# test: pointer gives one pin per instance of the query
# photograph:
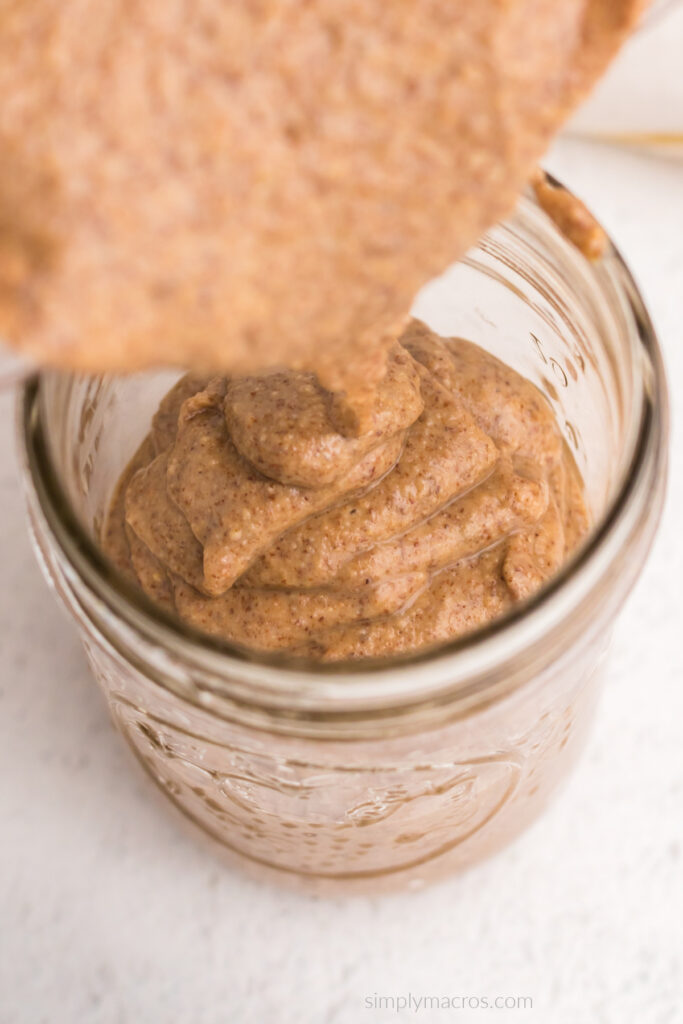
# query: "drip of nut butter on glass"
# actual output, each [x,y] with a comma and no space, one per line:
[255,191]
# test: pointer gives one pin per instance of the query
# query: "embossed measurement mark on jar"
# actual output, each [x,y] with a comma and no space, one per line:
[484,318]
[566,368]
[562,377]
[550,361]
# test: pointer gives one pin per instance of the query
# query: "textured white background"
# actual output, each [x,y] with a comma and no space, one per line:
[110,913]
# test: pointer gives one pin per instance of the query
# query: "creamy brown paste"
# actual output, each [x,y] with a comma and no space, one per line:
[250,514]
[570,215]
[239,185]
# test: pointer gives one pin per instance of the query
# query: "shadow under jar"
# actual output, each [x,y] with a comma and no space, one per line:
[398,771]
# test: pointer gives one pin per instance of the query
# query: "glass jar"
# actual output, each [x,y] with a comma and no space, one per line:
[396,771]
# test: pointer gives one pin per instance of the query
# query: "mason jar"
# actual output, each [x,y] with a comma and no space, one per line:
[387,772]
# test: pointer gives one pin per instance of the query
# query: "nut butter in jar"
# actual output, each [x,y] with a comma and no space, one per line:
[386,772]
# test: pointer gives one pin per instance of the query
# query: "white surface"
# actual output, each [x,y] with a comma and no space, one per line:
[110,913]
[643,89]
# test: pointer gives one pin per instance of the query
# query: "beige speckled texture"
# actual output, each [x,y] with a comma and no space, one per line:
[460,500]
[265,181]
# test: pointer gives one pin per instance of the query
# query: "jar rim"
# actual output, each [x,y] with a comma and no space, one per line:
[460,667]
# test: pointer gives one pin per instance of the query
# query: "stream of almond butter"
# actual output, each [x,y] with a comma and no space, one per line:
[255,190]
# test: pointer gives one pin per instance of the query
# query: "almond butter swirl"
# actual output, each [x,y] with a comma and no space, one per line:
[248,512]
